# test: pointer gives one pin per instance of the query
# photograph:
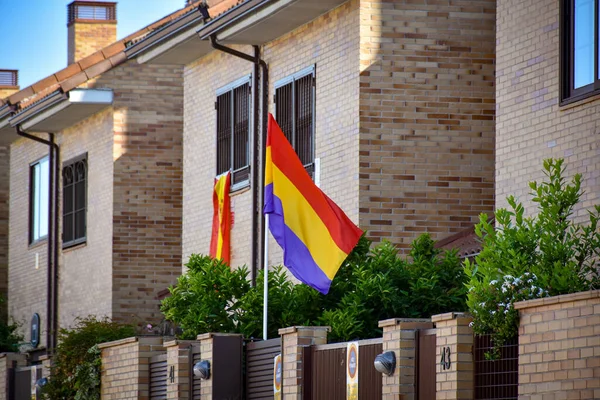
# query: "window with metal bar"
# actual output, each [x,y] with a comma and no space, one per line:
[74,201]
[295,114]
[580,57]
[39,182]
[233,131]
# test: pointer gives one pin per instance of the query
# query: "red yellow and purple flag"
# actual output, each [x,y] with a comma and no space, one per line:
[221,228]
[314,233]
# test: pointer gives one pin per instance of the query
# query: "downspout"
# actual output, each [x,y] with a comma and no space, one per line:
[52,257]
[257,153]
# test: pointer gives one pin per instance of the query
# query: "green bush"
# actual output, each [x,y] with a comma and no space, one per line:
[371,285]
[531,257]
[9,337]
[75,372]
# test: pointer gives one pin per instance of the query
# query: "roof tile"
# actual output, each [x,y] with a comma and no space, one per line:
[20,95]
[118,58]
[44,83]
[74,81]
[91,60]
[98,69]
[67,72]
[113,49]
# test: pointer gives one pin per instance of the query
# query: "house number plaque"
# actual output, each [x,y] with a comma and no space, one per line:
[445,360]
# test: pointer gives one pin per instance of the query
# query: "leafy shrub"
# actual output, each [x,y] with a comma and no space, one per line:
[75,373]
[532,257]
[9,337]
[370,286]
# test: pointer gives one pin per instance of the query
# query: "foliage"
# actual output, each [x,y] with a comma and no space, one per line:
[9,337]
[530,257]
[76,364]
[371,285]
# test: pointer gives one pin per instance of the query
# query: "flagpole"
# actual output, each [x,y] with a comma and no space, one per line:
[266,277]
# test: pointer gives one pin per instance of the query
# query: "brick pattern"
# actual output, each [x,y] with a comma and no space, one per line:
[531,126]
[426,117]
[125,371]
[453,331]
[206,353]
[178,357]
[85,38]
[293,339]
[4,195]
[399,336]
[559,347]
[6,362]
[27,283]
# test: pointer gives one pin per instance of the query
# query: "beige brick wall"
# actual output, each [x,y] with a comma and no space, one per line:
[331,43]
[426,117]
[85,285]
[4,193]
[531,126]
[6,362]
[85,38]
[559,347]
[27,284]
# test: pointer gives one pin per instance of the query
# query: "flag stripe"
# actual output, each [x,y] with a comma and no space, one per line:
[296,253]
[280,153]
[306,224]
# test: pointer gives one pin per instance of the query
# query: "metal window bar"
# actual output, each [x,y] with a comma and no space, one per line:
[97,11]
[9,77]
[74,202]
[496,379]
[224,143]
[241,133]
[284,108]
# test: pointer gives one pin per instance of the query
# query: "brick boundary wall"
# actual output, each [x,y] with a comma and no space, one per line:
[125,367]
[559,347]
[6,360]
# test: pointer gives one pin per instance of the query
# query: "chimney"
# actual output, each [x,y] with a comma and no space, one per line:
[9,82]
[92,26]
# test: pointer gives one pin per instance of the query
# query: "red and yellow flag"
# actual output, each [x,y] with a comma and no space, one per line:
[221,229]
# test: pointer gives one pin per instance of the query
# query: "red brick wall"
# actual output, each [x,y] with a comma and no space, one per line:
[426,117]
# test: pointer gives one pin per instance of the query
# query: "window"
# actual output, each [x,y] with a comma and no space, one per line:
[580,74]
[233,131]
[38,200]
[295,110]
[74,201]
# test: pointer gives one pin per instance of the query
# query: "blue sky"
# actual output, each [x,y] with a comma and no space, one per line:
[34,32]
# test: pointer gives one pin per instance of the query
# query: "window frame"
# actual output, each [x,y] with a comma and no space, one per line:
[310,70]
[66,164]
[31,236]
[568,93]
[231,87]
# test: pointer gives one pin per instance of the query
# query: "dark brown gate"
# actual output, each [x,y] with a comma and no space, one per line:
[158,377]
[259,368]
[328,371]
[496,379]
[20,381]
[425,363]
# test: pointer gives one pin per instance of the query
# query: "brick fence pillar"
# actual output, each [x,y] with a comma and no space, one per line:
[399,336]
[126,367]
[6,361]
[454,332]
[179,358]
[293,339]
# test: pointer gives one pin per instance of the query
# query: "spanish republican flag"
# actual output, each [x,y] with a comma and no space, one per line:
[314,233]
[221,229]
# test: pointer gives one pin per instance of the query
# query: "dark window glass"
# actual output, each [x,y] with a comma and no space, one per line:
[294,110]
[74,201]
[39,182]
[233,132]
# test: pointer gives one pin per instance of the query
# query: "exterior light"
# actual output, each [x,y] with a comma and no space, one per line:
[202,369]
[386,363]
[40,383]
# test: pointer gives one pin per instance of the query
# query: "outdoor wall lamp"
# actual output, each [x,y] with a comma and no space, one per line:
[202,369]
[386,363]
[40,383]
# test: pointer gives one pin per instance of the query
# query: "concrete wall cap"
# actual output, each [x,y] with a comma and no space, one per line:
[564,298]
[397,321]
[118,342]
[175,342]
[448,316]
[292,329]
[204,336]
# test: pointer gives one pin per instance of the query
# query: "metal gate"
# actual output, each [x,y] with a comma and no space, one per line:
[259,368]
[328,371]
[496,379]
[425,363]
[20,381]
[158,377]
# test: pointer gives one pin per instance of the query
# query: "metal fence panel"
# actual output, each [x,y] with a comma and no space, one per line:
[426,361]
[259,368]
[158,377]
[496,379]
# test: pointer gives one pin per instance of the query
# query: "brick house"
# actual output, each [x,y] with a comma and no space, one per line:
[390,105]
[547,95]
[115,127]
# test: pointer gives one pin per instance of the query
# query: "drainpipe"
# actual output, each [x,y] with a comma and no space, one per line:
[52,257]
[258,154]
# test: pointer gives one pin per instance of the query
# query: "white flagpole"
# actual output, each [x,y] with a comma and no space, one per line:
[266,277]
